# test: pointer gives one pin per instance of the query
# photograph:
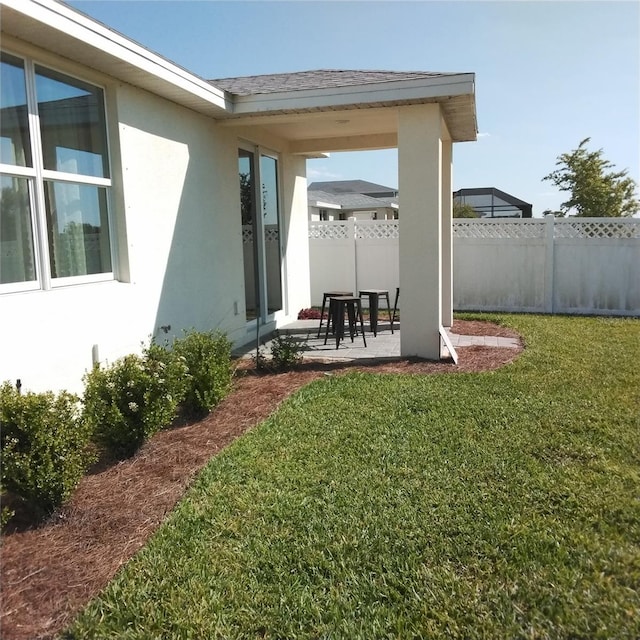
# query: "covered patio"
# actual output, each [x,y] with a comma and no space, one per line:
[420,113]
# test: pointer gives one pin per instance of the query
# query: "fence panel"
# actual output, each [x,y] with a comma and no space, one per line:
[377,246]
[571,265]
[597,266]
[499,267]
[332,257]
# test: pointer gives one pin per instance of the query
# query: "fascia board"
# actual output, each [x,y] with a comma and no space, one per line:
[324,205]
[51,16]
[383,92]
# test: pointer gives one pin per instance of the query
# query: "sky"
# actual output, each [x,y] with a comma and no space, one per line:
[548,74]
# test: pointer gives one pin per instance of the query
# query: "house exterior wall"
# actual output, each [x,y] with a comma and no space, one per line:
[384,213]
[176,228]
[297,292]
[314,214]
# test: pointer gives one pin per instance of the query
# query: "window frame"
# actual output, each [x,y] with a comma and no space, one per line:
[37,177]
[258,229]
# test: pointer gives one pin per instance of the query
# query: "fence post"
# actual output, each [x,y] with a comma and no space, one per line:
[548,263]
[354,240]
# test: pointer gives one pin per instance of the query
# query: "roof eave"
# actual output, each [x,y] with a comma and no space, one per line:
[444,86]
[54,26]
[324,205]
[455,93]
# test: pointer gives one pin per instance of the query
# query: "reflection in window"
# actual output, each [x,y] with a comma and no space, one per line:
[17,255]
[271,230]
[72,125]
[78,229]
[71,237]
[249,246]
[14,116]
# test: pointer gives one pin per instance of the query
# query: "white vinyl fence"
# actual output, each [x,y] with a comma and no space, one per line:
[561,265]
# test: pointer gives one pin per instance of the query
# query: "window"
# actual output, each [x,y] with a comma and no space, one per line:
[54,179]
[324,215]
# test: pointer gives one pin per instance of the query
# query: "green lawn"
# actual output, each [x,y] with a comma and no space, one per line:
[495,505]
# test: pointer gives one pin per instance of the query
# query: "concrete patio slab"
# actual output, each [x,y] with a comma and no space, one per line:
[385,345]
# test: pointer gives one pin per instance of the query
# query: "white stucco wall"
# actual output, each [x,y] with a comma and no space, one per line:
[175,200]
[296,231]
[420,173]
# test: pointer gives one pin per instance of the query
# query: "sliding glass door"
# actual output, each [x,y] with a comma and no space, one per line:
[260,210]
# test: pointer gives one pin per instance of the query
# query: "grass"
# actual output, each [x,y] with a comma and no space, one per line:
[495,505]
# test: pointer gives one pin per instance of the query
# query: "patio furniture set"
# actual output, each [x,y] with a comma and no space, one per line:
[343,305]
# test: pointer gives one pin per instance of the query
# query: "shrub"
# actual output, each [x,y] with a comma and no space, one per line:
[46,447]
[5,515]
[309,314]
[286,353]
[207,356]
[134,398]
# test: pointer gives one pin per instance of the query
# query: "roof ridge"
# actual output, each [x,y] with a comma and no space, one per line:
[341,71]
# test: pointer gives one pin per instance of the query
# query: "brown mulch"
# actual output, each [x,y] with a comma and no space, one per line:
[49,572]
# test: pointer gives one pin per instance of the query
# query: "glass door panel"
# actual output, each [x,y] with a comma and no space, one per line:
[260,233]
[249,246]
[271,232]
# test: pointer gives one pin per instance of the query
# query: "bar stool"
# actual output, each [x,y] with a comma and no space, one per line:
[327,295]
[395,308]
[337,306]
[374,302]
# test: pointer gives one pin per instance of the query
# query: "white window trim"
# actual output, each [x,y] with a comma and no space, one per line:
[38,175]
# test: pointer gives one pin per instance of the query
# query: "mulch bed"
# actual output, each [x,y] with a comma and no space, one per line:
[49,572]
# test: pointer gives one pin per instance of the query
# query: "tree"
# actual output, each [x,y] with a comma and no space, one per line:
[461,210]
[594,190]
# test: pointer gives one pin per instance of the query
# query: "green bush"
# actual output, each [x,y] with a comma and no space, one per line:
[207,356]
[46,446]
[134,398]
[286,353]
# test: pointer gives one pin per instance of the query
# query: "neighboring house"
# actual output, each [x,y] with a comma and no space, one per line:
[362,200]
[329,206]
[358,187]
[344,199]
[139,199]
[490,202]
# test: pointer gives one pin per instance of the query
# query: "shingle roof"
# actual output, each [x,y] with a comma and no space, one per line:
[349,200]
[318,79]
[350,186]
[313,195]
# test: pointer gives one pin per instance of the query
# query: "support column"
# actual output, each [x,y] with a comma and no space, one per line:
[420,187]
[447,230]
